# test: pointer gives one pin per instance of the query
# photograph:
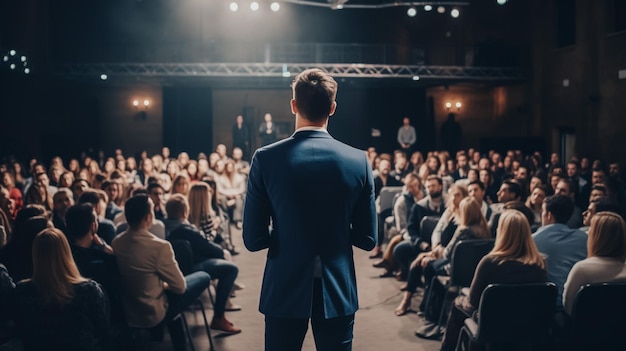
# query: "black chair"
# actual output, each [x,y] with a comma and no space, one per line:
[599,317]
[464,259]
[511,316]
[427,226]
[184,256]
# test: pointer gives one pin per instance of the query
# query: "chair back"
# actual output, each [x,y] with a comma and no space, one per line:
[387,196]
[183,254]
[466,255]
[599,315]
[516,313]
[427,226]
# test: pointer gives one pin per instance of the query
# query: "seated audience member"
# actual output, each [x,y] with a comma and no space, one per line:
[95,259]
[509,197]
[600,205]
[6,292]
[157,194]
[402,207]
[99,199]
[232,186]
[476,189]
[513,260]
[535,203]
[561,245]
[8,180]
[207,257]
[606,246]
[565,187]
[78,187]
[17,254]
[491,187]
[154,289]
[58,308]
[112,189]
[157,228]
[415,241]
[472,225]
[400,166]
[62,200]
[598,191]
[382,180]
[241,165]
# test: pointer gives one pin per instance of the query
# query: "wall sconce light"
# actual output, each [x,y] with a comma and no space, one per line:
[458,106]
[141,105]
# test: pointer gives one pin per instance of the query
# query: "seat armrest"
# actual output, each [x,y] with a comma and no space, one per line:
[465,291]
[472,328]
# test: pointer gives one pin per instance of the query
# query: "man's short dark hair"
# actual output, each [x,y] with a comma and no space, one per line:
[93,196]
[107,183]
[314,91]
[79,219]
[154,185]
[136,209]
[435,177]
[477,182]
[560,206]
[514,187]
[176,206]
[606,205]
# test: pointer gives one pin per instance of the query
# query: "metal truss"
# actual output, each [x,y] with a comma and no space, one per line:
[276,70]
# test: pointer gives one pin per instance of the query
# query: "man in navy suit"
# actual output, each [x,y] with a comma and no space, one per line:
[310,199]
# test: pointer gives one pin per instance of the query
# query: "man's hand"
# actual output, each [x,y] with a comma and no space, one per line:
[105,247]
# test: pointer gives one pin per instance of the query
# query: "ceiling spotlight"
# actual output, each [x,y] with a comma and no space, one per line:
[23,58]
[233,6]
[275,6]
[12,66]
[254,6]
[502,2]
[27,70]
[411,12]
[441,9]
[416,78]
[5,58]
[428,8]
[12,52]
[104,77]
[455,13]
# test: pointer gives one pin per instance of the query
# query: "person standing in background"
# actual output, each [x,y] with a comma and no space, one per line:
[267,130]
[241,137]
[407,136]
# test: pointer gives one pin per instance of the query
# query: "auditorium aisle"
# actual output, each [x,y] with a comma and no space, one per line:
[376,326]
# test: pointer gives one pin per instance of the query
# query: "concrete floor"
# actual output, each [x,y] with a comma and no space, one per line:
[376,327]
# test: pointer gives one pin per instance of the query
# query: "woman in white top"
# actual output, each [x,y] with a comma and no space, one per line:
[606,254]
[232,186]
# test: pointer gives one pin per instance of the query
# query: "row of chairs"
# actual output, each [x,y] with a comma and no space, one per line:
[513,316]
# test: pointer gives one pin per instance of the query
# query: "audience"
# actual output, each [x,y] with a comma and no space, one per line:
[518,177]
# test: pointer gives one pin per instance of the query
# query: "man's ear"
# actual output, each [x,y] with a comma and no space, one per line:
[294,108]
[332,108]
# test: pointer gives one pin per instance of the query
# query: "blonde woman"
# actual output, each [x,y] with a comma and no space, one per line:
[513,260]
[57,306]
[606,254]
[201,213]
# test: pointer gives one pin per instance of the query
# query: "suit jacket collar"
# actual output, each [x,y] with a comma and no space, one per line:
[311,133]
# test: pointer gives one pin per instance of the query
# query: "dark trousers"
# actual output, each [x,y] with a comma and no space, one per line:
[287,334]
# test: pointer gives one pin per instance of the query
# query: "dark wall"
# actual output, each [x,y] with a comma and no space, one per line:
[188,120]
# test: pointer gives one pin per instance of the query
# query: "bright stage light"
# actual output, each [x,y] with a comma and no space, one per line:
[233,6]
[441,9]
[411,12]
[428,8]
[416,78]
[104,77]
[455,13]
[502,2]
[275,6]
[254,6]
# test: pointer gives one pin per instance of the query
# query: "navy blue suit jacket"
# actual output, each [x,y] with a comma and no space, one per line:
[308,196]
